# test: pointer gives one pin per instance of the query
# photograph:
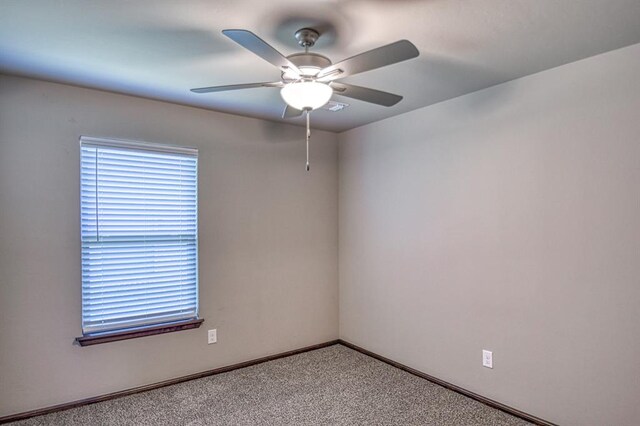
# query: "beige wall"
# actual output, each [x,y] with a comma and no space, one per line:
[508,220]
[268,242]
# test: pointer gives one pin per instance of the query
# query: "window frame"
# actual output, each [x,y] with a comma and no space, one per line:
[98,337]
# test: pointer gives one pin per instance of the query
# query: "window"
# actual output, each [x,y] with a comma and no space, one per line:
[139,233]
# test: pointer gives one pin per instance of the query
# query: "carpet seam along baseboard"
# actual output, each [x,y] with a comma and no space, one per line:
[144,388]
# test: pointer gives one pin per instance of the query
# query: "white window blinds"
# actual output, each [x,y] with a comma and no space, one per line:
[139,234]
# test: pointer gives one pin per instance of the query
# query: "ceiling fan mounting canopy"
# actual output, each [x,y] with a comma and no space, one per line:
[307,37]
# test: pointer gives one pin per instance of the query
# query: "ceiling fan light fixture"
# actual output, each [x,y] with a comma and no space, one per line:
[306,94]
[307,78]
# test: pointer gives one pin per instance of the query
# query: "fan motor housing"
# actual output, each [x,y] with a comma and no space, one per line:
[307,60]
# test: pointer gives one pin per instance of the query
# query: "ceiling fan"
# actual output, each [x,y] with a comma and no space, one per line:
[308,80]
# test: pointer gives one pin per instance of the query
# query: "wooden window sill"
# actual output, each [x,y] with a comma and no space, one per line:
[98,338]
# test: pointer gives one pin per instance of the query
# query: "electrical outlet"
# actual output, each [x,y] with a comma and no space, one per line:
[487,358]
[212,336]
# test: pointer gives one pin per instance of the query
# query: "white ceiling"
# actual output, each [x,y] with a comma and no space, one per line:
[162,48]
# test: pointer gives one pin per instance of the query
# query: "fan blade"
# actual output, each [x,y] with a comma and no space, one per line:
[290,112]
[365,94]
[252,42]
[370,60]
[235,87]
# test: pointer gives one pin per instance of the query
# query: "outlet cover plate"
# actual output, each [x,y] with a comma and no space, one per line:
[487,358]
[212,336]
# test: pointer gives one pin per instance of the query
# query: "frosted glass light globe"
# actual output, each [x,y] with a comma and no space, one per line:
[306,94]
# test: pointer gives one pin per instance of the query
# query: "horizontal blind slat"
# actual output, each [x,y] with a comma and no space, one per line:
[135,258]
[140,314]
[128,303]
[93,299]
[139,310]
[113,289]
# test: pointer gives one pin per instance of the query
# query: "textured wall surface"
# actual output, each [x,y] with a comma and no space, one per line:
[508,220]
[267,229]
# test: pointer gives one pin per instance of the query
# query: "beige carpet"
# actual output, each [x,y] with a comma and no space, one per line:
[330,386]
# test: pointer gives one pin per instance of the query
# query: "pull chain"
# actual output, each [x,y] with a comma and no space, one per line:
[308,136]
